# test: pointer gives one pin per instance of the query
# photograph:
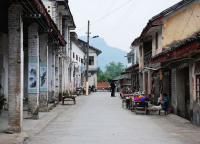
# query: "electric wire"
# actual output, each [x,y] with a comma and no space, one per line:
[109,13]
[114,10]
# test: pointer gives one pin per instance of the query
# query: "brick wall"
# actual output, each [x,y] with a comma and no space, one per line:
[43,102]
[33,85]
[15,73]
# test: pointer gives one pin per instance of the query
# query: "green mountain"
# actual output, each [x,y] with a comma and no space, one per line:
[109,54]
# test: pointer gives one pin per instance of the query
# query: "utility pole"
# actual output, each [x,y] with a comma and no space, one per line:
[87,58]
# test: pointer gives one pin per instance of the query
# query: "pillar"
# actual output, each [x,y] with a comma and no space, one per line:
[49,71]
[66,85]
[15,67]
[33,71]
[43,72]
[149,82]
[174,100]
[53,73]
[60,77]
[57,69]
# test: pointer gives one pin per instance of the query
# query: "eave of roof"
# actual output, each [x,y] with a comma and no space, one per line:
[157,19]
[91,47]
[120,77]
[42,10]
[65,3]
[178,48]
[131,68]
[136,42]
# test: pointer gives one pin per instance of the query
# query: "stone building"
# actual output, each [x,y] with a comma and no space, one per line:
[34,57]
[78,65]
[169,58]
[93,62]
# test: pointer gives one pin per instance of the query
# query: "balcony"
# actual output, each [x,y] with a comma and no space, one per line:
[147,57]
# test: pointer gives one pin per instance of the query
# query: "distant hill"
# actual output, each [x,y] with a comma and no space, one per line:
[109,54]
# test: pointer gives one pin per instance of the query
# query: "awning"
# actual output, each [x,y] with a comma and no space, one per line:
[121,77]
[42,10]
[179,49]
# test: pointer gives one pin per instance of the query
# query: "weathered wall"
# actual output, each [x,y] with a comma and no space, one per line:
[43,72]
[93,53]
[4,64]
[173,90]
[181,24]
[195,105]
[92,80]
[141,58]
[15,67]
[154,49]
[33,71]
[180,91]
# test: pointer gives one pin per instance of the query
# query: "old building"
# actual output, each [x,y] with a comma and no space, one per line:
[92,62]
[131,73]
[180,54]
[34,57]
[169,58]
[78,56]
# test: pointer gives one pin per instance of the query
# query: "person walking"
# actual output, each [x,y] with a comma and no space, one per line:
[113,86]
[165,103]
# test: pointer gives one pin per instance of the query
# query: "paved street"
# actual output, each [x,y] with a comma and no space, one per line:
[100,119]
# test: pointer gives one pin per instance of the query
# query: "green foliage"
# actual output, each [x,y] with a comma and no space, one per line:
[112,70]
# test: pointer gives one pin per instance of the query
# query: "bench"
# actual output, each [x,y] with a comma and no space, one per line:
[68,96]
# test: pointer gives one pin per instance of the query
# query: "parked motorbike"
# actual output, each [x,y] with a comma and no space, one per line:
[79,91]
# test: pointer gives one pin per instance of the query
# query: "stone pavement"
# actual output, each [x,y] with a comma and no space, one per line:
[100,119]
[30,127]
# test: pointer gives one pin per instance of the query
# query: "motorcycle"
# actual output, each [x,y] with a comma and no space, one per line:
[79,91]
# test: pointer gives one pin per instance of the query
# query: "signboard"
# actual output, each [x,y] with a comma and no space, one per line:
[43,77]
[32,77]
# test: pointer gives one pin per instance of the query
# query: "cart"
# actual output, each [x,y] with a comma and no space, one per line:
[140,105]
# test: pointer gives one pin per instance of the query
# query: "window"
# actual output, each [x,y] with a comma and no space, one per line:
[91,60]
[129,60]
[77,57]
[198,87]
[81,60]
[156,40]
[73,55]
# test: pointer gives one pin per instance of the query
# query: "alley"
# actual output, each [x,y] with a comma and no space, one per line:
[100,119]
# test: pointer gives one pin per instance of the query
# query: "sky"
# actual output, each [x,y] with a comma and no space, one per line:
[118,22]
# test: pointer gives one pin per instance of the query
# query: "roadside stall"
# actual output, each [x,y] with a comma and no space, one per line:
[140,103]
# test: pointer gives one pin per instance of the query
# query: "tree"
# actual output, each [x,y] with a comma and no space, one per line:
[112,70]
[101,76]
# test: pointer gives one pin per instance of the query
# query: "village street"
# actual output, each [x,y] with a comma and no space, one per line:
[100,119]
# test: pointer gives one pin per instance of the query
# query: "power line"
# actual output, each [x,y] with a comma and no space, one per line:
[125,14]
[114,10]
[110,12]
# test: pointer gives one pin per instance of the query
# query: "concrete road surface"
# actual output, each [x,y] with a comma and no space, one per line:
[100,119]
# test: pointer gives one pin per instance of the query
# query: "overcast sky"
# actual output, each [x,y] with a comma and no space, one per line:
[119,22]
